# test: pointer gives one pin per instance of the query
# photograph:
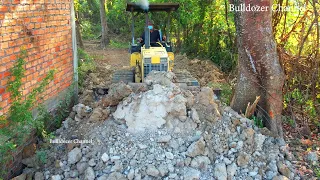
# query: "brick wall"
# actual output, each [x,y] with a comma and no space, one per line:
[43,28]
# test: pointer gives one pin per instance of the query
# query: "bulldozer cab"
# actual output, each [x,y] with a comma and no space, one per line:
[153,7]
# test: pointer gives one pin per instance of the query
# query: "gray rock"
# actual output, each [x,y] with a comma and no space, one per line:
[89,174]
[312,157]
[253,173]
[116,176]
[169,155]
[152,171]
[196,148]
[271,174]
[195,116]
[103,177]
[30,162]
[284,170]
[200,162]
[142,146]
[164,139]
[163,170]
[131,174]
[227,161]
[231,170]
[220,171]
[82,166]
[280,178]
[259,140]
[115,158]
[74,173]
[117,166]
[243,159]
[191,174]
[20,177]
[132,153]
[74,156]
[187,161]
[38,176]
[56,177]
[92,162]
[273,166]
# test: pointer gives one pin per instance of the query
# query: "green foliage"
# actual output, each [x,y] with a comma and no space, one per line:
[257,121]
[41,156]
[118,44]
[63,109]
[21,121]
[289,120]
[89,30]
[86,65]
[226,91]
[302,98]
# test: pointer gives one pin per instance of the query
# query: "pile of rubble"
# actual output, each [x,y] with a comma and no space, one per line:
[163,132]
[203,70]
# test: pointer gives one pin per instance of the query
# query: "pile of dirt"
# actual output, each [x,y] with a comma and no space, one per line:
[164,132]
[203,70]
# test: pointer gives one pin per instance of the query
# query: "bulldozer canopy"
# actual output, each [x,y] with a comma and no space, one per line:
[133,7]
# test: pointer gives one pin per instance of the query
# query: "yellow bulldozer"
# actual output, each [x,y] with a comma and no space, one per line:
[155,56]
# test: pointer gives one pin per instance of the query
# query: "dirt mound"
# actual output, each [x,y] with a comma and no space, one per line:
[203,70]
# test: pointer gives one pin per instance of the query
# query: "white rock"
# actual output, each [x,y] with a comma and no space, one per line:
[152,171]
[74,156]
[231,170]
[142,146]
[259,140]
[169,155]
[89,174]
[56,177]
[195,116]
[196,148]
[92,162]
[220,171]
[105,157]
[131,174]
[115,158]
[191,174]
[200,162]
[164,139]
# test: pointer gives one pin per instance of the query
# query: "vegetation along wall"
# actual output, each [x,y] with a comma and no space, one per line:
[43,29]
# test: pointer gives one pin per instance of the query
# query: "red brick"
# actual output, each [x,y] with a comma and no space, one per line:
[3,9]
[6,96]
[2,90]
[13,57]
[6,74]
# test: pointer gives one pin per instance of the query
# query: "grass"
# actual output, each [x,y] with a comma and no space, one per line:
[118,44]
[226,91]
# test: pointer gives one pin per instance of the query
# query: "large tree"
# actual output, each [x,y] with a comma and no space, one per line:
[259,73]
[104,32]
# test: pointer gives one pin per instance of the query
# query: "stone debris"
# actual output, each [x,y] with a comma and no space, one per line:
[117,92]
[162,133]
[74,156]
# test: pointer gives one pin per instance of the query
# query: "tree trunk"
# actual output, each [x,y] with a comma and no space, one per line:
[104,26]
[78,32]
[260,72]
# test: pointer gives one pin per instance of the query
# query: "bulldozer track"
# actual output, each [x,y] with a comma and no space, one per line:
[126,76]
